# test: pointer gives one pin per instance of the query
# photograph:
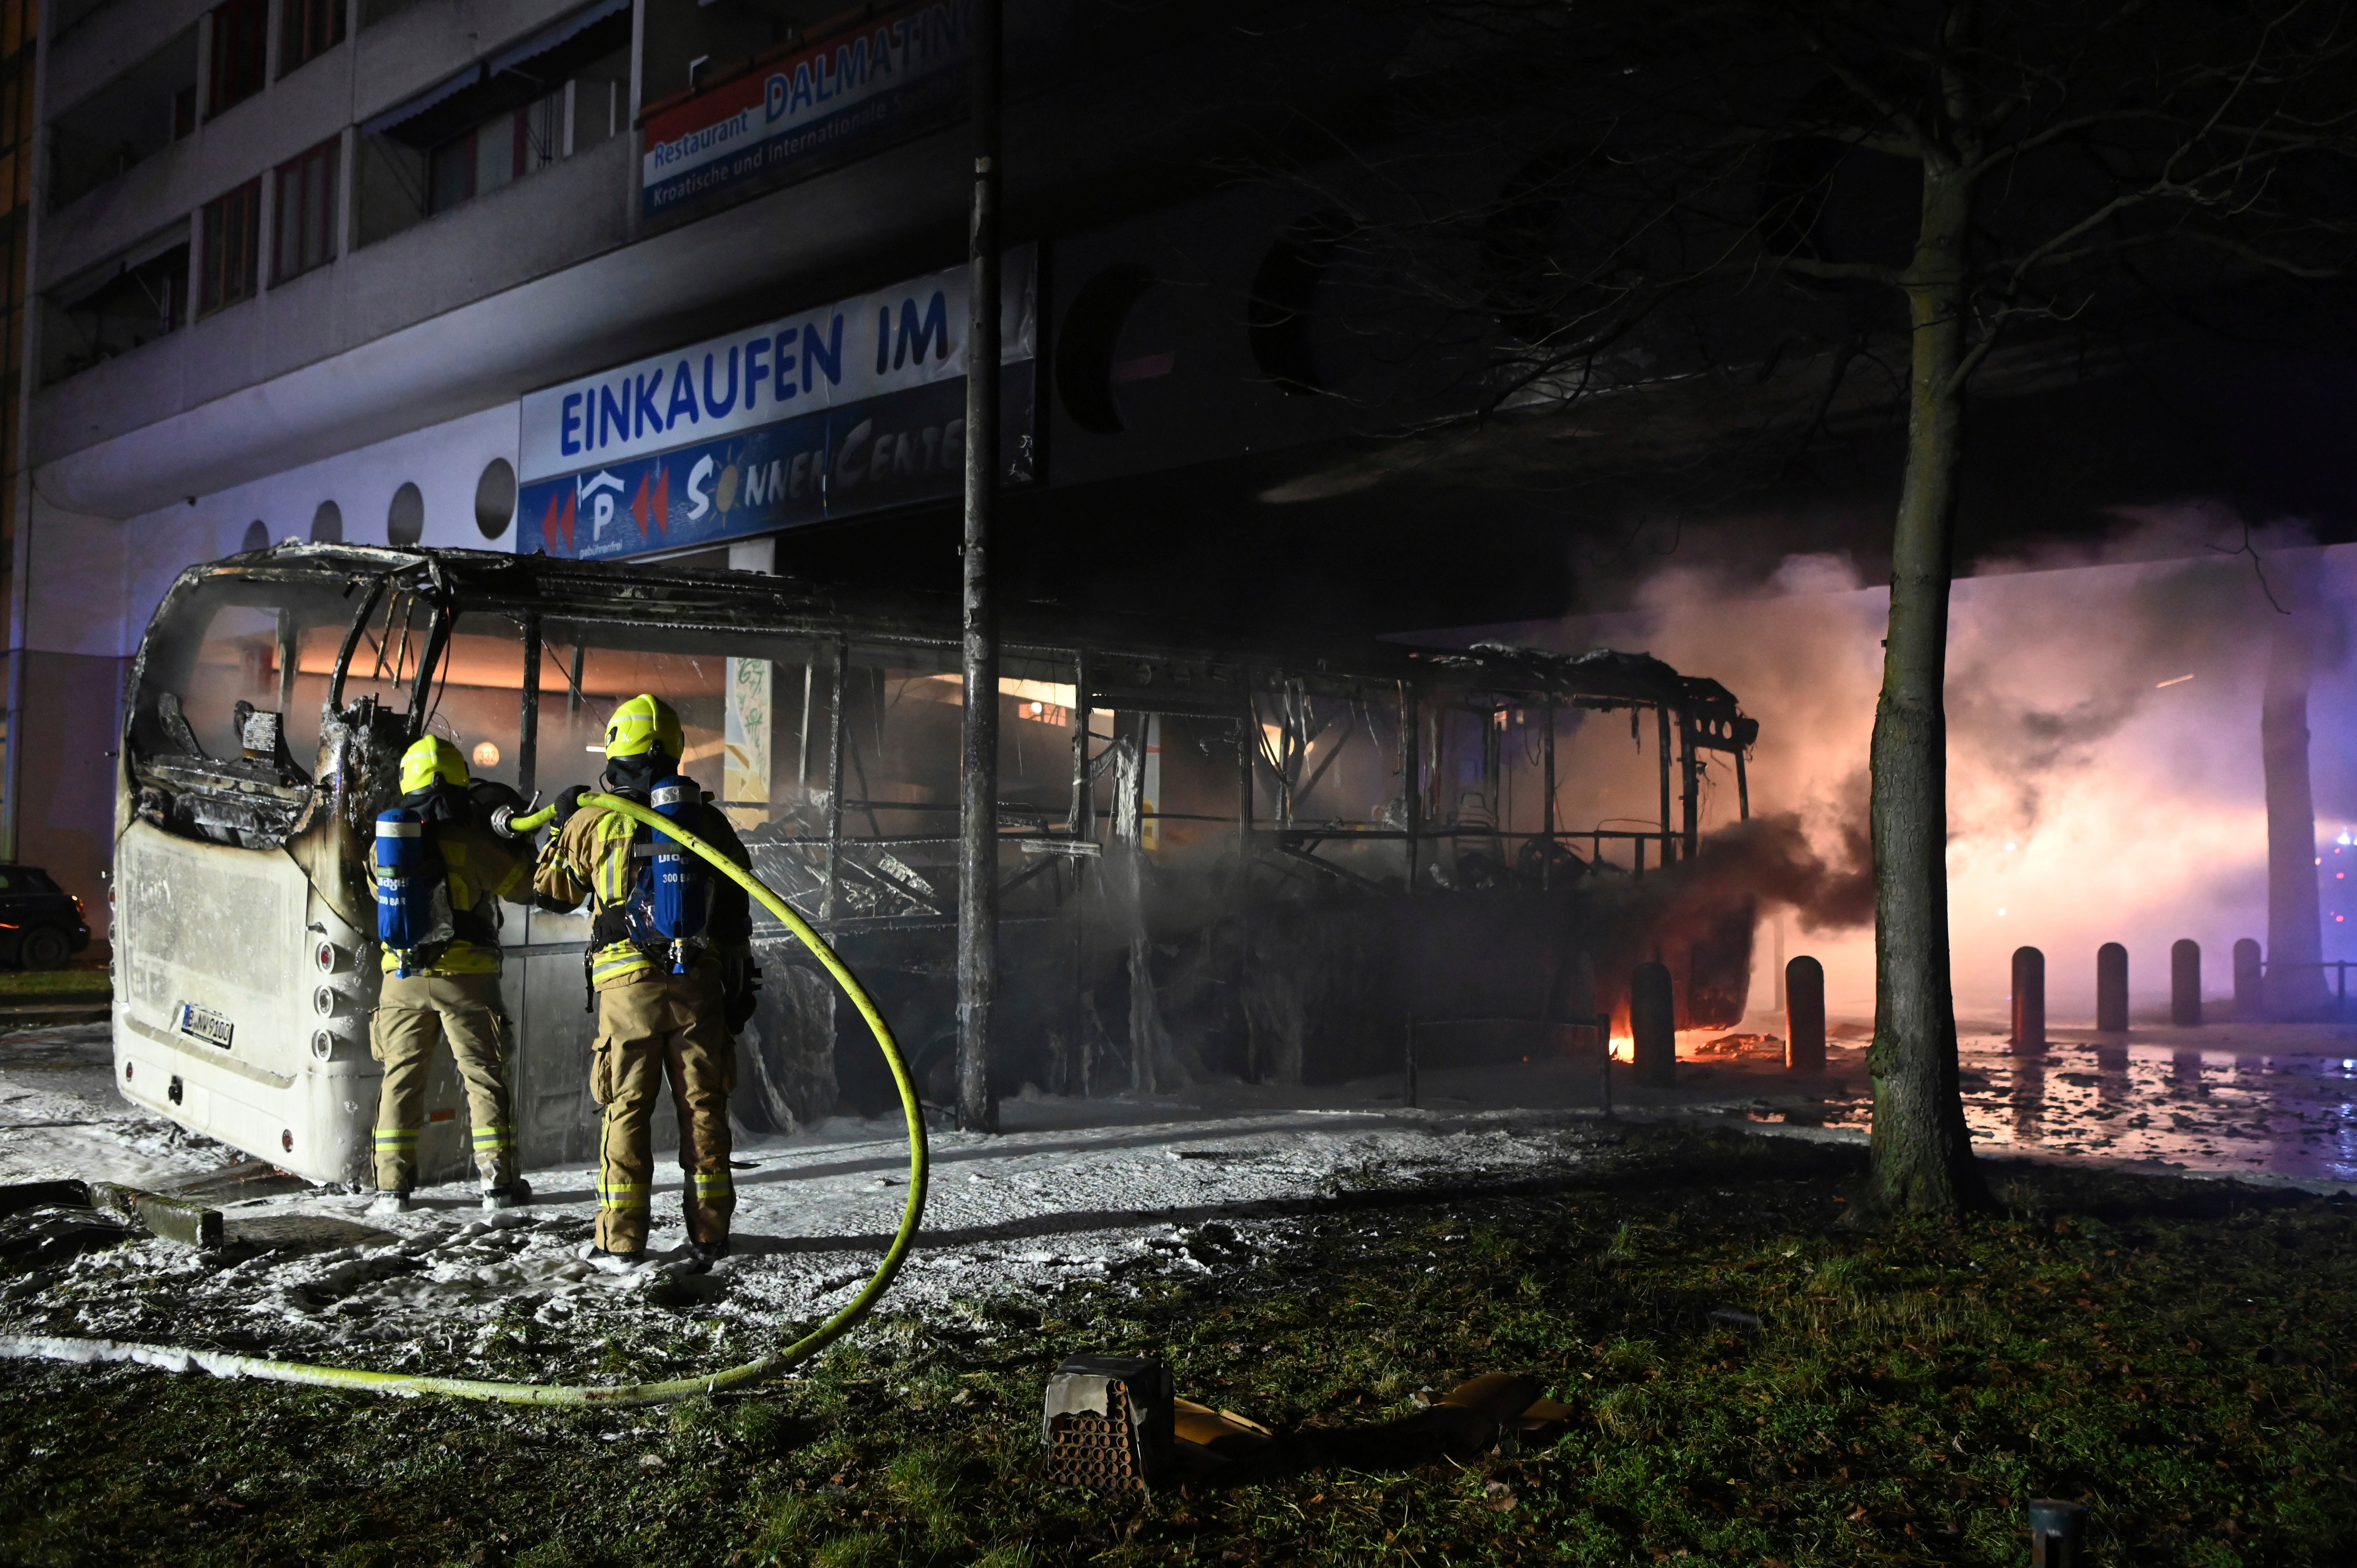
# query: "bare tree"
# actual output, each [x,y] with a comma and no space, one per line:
[1772,199]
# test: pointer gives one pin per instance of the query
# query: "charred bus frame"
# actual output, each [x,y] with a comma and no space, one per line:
[1287,912]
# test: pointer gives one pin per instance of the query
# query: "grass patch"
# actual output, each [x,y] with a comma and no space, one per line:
[55,985]
[2176,1354]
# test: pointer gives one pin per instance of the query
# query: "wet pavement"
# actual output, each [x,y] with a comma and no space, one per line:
[2276,1099]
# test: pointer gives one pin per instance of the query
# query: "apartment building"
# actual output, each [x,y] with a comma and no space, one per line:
[332,269]
[19,57]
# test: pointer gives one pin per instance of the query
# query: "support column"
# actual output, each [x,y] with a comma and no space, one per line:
[287,655]
[204,67]
[977,965]
[1080,822]
[265,233]
[348,170]
[1411,752]
[836,733]
[1247,741]
[636,210]
[1690,776]
[527,721]
[1669,853]
[1546,748]
[1078,818]
[196,265]
[1126,879]
[2295,929]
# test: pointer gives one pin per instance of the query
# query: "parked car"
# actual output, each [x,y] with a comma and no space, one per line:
[41,924]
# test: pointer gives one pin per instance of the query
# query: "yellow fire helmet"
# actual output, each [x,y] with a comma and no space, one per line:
[430,761]
[640,726]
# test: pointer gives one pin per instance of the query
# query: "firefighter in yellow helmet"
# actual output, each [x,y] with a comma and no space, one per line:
[669,959]
[444,986]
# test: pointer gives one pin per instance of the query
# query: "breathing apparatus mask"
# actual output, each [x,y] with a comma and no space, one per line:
[634,777]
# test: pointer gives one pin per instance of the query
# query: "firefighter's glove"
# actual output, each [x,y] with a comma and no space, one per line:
[568,802]
[740,992]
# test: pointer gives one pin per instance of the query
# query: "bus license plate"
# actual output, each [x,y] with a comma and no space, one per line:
[206,1024]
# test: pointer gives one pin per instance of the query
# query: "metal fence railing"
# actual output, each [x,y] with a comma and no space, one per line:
[2339,968]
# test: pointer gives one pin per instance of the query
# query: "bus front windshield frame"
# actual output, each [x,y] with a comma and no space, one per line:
[228,643]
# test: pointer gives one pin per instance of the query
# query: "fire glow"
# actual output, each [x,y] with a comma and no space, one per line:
[2083,811]
[1699,1045]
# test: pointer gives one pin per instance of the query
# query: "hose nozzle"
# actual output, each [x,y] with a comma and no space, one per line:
[509,824]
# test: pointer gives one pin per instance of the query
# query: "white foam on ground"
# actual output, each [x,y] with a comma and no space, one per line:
[1169,1184]
[60,1118]
[1074,1189]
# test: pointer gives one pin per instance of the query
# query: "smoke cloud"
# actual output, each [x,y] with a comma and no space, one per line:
[2104,774]
[1771,859]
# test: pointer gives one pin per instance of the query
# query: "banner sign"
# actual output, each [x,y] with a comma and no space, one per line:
[849,409]
[896,74]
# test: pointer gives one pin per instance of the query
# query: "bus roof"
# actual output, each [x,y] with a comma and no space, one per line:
[1129,656]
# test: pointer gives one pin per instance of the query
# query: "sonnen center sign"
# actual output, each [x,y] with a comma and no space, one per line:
[831,412]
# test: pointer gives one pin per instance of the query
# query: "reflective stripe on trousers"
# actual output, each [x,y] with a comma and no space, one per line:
[622,1194]
[658,1027]
[414,1016]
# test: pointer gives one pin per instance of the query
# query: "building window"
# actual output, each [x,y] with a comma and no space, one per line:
[240,53]
[483,129]
[404,521]
[504,148]
[232,240]
[138,304]
[312,28]
[306,215]
[132,118]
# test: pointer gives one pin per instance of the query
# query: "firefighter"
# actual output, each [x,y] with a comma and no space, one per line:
[672,975]
[439,867]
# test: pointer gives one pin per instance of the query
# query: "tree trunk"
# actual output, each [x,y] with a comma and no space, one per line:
[1922,1151]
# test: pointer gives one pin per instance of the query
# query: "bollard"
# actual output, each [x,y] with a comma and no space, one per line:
[2185,983]
[2112,988]
[1653,1020]
[1804,1016]
[2029,999]
[2250,984]
[2055,1533]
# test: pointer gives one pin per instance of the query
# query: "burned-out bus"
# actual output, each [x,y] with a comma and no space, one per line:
[1215,863]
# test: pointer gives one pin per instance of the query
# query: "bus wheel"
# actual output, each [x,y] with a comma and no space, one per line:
[44,947]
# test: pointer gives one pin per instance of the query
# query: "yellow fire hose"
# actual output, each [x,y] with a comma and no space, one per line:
[222,1363]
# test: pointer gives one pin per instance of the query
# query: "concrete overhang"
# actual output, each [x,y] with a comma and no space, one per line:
[619,305]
